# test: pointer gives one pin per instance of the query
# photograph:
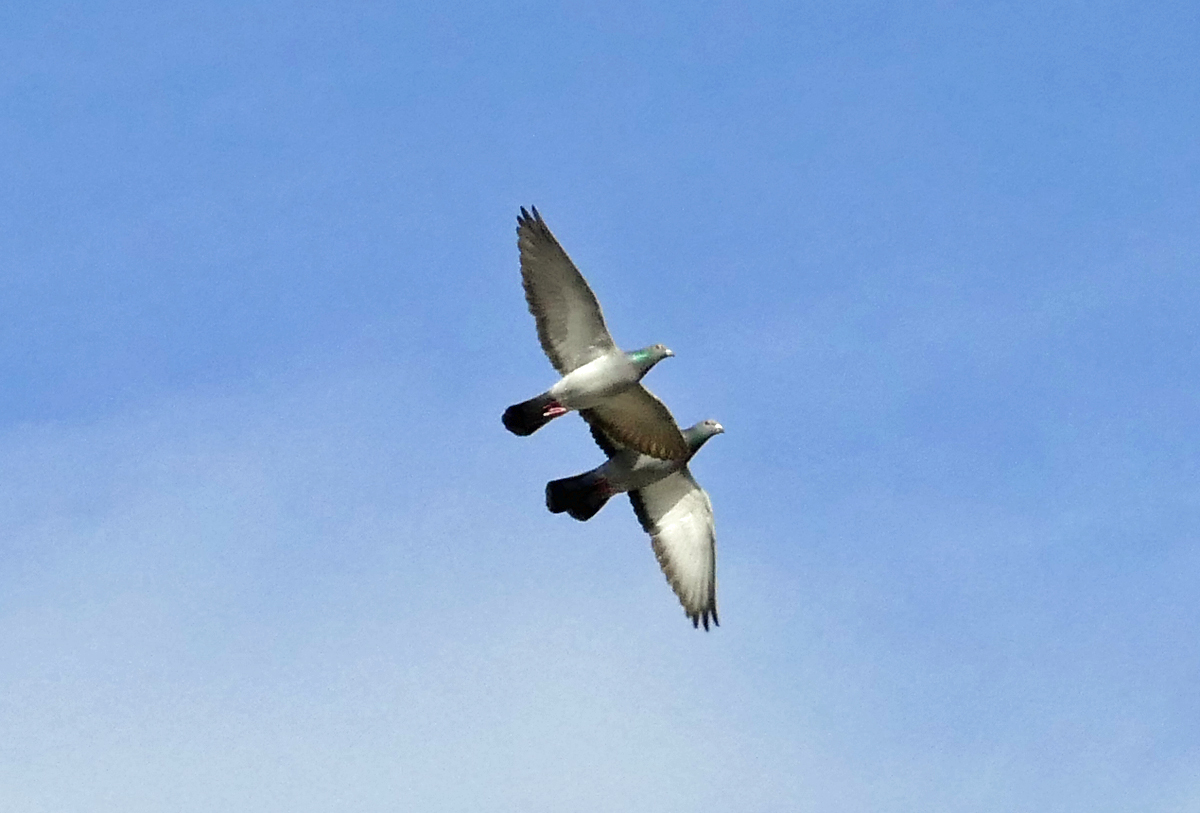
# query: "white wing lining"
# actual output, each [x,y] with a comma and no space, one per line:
[678,515]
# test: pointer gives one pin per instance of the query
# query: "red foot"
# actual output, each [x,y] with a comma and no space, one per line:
[553,410]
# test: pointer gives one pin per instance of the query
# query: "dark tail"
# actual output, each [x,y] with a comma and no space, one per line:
[580,496]
[529,416]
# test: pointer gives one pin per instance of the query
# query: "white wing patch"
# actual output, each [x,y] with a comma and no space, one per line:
[678,515]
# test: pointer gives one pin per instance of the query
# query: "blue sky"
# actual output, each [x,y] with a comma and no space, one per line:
[266,545]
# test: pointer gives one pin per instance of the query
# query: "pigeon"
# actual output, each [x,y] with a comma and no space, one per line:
[670,505]
[596,374]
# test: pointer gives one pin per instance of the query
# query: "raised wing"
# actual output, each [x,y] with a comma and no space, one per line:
[636,419]
[678,515]
[570,325]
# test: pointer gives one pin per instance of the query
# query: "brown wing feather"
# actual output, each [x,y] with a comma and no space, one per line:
[636,419]
[607,445]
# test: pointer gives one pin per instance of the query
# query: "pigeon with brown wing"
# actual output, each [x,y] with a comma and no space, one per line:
[596,374]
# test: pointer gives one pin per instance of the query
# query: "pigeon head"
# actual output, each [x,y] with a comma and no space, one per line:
[647,357]
[697,434]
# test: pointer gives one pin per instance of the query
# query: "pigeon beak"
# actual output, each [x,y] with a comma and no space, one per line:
[718,429]
[668,352]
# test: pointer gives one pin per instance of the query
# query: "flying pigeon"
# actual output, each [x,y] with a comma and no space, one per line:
[670,505]
[596,374]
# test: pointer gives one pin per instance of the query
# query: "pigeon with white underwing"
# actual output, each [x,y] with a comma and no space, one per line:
[596,374]
[669,504]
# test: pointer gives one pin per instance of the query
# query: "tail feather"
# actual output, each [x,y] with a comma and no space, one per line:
[580,496]
[529,416]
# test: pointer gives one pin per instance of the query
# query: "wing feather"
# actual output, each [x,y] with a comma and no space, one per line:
[678,515]
[607,445]
[636,419]
[570,325]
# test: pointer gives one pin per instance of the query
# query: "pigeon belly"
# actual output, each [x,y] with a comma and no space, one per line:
[629,471]
[588,385]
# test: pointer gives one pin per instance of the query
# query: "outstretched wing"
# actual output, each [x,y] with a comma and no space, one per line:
[634,418]
[570,325]
[678,515]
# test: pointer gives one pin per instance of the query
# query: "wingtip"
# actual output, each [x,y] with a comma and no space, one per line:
[702,617]
[531,218]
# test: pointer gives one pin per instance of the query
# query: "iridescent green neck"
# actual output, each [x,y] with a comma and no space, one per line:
[645,358]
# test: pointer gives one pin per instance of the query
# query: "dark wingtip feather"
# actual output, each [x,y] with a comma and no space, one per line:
[703,617]
[524,220]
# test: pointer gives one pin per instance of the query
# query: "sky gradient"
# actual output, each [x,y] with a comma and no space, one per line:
[266,545]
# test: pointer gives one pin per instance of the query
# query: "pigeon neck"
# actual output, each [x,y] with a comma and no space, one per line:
[643,360]
[695,437]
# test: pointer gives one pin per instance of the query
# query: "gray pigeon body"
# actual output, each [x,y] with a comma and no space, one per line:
[670,505]
[596,374]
